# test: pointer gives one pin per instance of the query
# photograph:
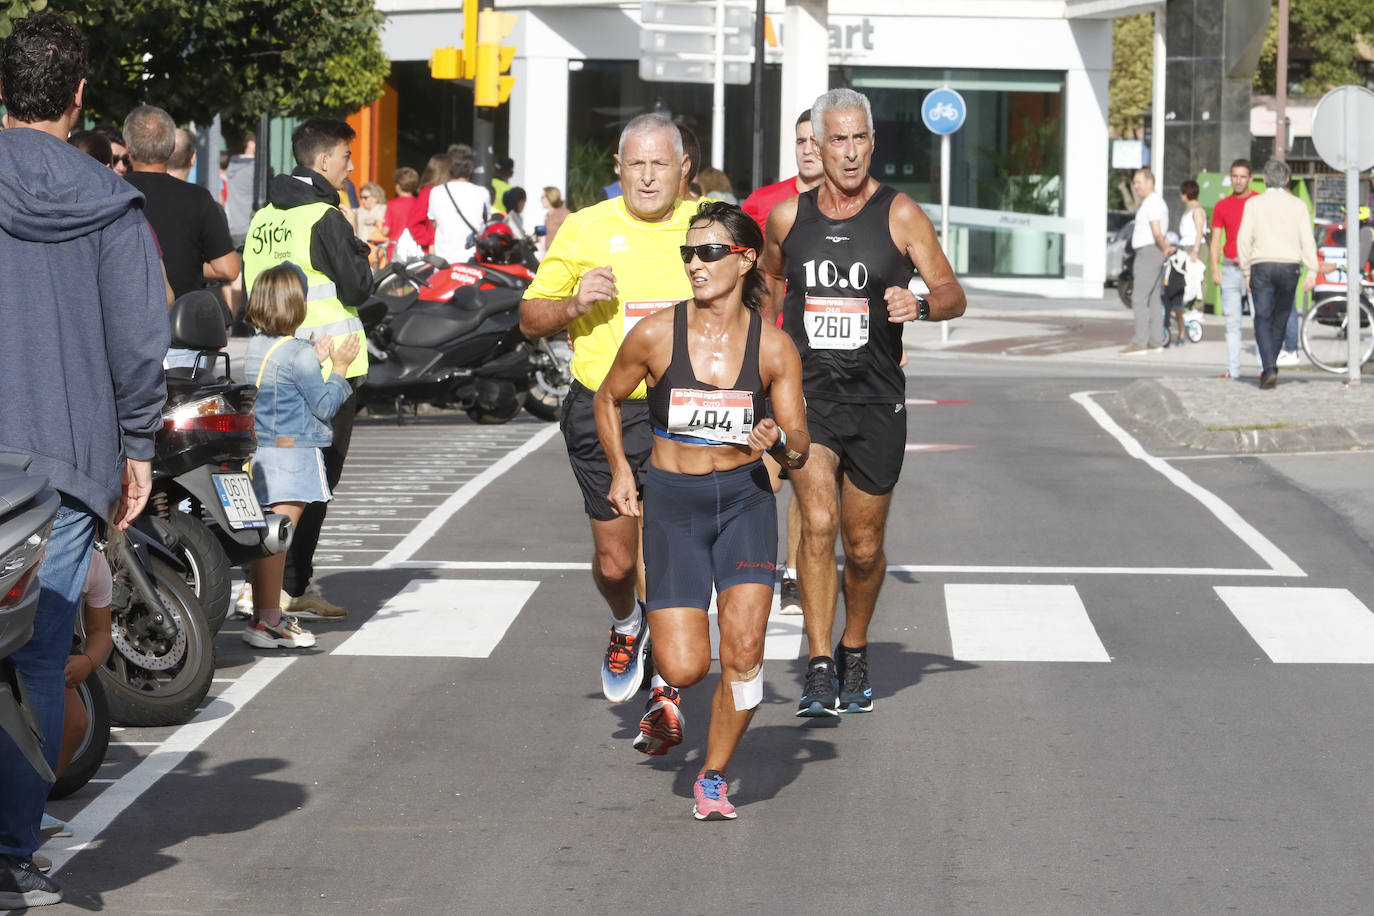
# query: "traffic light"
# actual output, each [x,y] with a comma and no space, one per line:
[492,86]
[446,64]
[458,63]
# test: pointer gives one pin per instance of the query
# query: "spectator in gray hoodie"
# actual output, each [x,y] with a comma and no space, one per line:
[85,327]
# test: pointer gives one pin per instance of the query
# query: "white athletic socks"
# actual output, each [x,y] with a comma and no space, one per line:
[632,625]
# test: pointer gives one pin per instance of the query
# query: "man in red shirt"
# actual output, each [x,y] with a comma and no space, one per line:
[1226,218]
[809,174]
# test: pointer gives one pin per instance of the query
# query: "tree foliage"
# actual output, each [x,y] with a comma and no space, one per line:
[238,58]
[1330,43]
[1130,86]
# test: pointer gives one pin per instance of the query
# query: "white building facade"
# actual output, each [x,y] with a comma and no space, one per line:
[1029,170]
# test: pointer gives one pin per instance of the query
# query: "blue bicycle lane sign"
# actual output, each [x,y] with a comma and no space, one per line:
[943,111]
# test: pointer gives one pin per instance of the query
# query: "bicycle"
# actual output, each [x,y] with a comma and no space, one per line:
[1323,334]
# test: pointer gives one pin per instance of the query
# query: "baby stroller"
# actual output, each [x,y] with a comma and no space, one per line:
[1180,291]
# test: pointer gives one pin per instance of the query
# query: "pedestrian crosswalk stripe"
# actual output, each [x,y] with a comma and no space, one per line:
[1021,623]
[454,618]
[1309,625]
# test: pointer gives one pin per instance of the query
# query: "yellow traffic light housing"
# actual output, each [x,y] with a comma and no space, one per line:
[446,64]
[492,86]
[470,14]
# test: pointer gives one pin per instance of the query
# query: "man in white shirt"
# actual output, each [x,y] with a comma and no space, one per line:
[1151,248]
[460,209]
[1274,244]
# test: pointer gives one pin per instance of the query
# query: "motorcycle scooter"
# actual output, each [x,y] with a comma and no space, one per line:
[206,436]
[449,336]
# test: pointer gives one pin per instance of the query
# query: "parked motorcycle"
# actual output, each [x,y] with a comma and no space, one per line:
[163,658]
[449,336]
[27,508]
[206,436]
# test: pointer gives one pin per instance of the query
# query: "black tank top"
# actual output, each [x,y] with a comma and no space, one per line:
[837,272]
[685,409]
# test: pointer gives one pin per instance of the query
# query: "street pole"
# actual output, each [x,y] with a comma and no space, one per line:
[757,107]
[1281,87]
[718,93]
[1354,334]
[944,216]
[261,169]
[483,124]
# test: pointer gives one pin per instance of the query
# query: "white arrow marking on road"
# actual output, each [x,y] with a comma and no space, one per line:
[449,618]
[1321,625]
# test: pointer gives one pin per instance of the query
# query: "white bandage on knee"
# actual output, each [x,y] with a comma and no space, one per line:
[748,693]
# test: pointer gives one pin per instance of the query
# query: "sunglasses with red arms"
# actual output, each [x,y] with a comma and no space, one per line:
[709,253]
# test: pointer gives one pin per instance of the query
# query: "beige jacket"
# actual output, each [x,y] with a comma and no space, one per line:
[1276,227]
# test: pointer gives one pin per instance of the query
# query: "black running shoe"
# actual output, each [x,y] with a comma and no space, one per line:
[23,885]
[818,699]
[856,693]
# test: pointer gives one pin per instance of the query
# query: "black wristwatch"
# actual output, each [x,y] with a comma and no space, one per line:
[923,313]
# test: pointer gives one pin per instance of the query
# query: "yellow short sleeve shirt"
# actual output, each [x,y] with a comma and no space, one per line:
[648,276]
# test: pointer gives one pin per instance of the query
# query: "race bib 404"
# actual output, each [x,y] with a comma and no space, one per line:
[836,324]
[635,312]
[720,416]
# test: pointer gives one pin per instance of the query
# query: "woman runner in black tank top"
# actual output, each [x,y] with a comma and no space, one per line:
[685,409]
[708,509]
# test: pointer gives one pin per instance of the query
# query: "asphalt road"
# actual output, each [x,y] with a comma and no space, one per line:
[1109,679]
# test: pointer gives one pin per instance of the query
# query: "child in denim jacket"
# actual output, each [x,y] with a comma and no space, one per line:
[295,403]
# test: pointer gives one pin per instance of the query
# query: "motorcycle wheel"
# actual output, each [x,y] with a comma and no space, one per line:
[552,379]
[490,417]
[90,754]
[147,680]
[207,565]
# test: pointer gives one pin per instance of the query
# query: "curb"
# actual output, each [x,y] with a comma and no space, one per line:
[1153,406]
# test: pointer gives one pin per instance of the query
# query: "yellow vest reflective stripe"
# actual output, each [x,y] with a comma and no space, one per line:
[276,236]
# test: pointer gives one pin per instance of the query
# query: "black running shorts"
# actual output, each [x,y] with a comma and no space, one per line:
[585,454]
[870,440]
[703,529]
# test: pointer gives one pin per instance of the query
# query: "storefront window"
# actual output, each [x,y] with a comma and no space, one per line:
[1007,157]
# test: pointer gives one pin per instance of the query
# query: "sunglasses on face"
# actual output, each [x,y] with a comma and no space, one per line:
[709,253]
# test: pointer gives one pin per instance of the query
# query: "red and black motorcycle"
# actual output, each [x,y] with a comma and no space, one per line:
[449,336]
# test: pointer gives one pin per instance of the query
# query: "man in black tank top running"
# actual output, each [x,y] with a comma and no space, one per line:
[839,259]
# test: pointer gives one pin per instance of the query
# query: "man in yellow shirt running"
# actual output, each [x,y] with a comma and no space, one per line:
[611,265]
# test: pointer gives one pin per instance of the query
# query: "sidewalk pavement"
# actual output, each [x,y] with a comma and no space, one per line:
[1180,394]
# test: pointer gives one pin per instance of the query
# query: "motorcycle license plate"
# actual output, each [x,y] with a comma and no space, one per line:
[239,501]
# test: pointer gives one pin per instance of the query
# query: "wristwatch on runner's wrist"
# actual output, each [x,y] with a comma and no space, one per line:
[923,311]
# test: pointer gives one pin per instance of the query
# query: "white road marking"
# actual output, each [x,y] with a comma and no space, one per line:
[1082,570]
[1021,623]
[123,792]
[1322,625]
[436,519]
[454,618]
[1278,561]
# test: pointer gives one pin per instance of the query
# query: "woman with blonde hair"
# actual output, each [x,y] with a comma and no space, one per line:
[554,213]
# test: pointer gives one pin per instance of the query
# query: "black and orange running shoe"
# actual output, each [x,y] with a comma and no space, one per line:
[662,724]
[622,669]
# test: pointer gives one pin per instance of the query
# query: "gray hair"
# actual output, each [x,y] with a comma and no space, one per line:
[1276,174]
[184,151]
[838,100]
[151,135]
[462,161]
[648,123]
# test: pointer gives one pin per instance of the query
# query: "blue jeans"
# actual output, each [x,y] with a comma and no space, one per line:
[1232,290]
[1290,334]
[1272,284]
[41,663]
